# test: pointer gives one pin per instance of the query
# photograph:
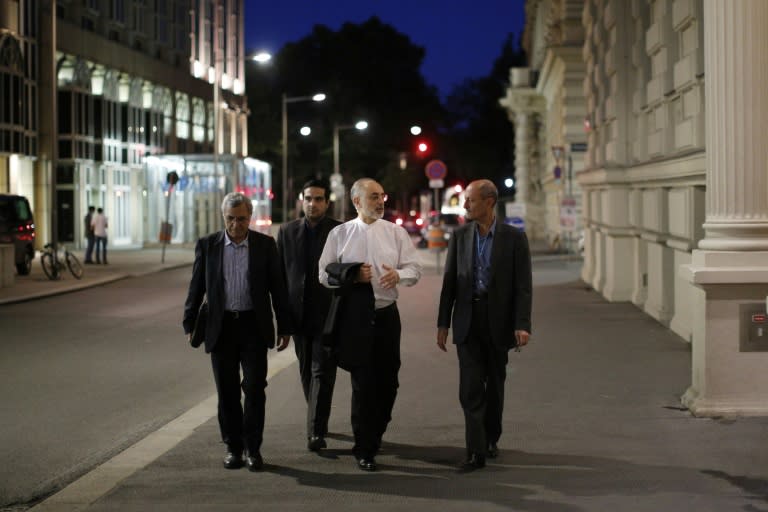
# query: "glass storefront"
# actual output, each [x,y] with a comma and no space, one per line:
[193,205]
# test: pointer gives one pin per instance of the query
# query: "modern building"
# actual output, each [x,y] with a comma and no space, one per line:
[89,89]
[661,106]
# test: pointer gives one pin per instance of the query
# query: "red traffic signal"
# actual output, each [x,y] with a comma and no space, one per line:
[423,147]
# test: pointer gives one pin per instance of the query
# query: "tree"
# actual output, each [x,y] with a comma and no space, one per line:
[368,71]
[479,134]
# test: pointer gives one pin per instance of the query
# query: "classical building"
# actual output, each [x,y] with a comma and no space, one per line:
[89,89]
[672,183]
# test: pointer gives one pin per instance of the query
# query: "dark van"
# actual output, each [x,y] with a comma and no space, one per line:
[17,227]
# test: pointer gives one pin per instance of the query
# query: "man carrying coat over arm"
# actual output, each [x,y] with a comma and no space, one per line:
[367,258]
[487,291]
[239,271]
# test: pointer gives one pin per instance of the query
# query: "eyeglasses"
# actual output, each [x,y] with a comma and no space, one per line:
[378,197]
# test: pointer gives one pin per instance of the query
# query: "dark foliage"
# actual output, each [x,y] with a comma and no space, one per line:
[370,71]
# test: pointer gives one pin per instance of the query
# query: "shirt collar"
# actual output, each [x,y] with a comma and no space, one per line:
[228,241]
[491,230]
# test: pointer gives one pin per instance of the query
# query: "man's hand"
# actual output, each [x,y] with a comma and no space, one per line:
[442,337]
[522,337]
[189,338]
[365,273]
[283,341]
[390,278]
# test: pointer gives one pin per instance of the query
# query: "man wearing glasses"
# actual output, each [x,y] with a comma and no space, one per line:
[239,271]
[366,259]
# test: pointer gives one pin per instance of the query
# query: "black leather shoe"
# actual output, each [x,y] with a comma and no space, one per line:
[473,462]
[493,451]
[366,464]
[233,460]
[316,443]
[254,462]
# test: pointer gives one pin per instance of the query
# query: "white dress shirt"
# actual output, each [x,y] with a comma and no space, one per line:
[379,243]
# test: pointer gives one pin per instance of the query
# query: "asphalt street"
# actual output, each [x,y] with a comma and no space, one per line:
[593,422]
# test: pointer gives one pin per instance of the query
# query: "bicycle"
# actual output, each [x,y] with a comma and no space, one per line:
[53,266]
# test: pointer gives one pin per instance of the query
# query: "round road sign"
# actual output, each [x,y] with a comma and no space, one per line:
[435,170]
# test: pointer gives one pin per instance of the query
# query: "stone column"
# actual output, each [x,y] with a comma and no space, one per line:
[521,157]
[522,102]
[730,270]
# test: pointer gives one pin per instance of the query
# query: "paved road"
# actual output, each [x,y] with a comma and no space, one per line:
[593,423]
[87,374]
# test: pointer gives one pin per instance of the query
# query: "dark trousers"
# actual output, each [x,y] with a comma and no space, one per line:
[101,249]
[374,385]
[241,425]
[91,240]
[482,373]
[317,369]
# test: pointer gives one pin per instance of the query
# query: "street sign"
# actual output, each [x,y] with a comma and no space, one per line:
[568,214]
[436,183]
[435,170]
[578,147]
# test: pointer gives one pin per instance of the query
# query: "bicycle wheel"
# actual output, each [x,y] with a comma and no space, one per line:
[74,266]
[49,266]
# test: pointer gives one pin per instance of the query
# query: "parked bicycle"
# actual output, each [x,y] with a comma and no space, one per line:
[53,262]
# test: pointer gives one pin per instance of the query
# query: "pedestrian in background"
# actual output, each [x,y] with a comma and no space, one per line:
[240,273]
[367,258]
[299,244]
[487,294]
[89,236]
[99,224]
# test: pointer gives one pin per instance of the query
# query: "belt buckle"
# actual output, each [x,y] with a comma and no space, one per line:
[236,315]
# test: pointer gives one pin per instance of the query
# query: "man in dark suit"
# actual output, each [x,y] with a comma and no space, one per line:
[300,243]
[487,287]
[240,271]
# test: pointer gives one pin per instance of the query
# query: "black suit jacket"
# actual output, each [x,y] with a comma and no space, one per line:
[291,246]
[509,289]
[266,281]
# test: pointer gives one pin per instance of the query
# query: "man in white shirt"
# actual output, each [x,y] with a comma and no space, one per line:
[380,256]
[99,224]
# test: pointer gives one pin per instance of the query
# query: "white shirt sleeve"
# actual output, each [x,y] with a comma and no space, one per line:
[408,266]
[329,255]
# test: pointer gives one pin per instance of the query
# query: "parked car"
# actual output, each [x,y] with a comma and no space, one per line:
[17,227]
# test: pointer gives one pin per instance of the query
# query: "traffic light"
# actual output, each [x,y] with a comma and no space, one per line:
[423,148]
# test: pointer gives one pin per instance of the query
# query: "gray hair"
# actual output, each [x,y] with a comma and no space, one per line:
[358,187]
[487,189]
[235,199]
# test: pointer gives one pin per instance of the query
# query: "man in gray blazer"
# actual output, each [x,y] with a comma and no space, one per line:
[487,294]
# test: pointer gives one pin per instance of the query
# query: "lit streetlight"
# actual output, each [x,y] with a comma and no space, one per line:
[336,177]
[262,57]
[286,101]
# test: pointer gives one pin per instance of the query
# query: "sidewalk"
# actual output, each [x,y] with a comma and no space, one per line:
[123,263]
[592,423]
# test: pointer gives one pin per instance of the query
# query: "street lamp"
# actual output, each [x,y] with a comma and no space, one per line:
[286,100]
[336,177]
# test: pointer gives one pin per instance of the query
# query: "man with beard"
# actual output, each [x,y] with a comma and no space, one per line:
[299,244]
[366,259]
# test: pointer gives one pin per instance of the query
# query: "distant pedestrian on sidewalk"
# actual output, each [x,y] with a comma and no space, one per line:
[89,236]
[367,258]
[240,273]
[300,243]
[99,224]
[487,294]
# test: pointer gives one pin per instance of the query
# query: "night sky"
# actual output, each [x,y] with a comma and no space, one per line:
[462,38]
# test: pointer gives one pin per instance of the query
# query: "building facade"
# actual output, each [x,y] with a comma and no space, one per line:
[673,189]
[90,88]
